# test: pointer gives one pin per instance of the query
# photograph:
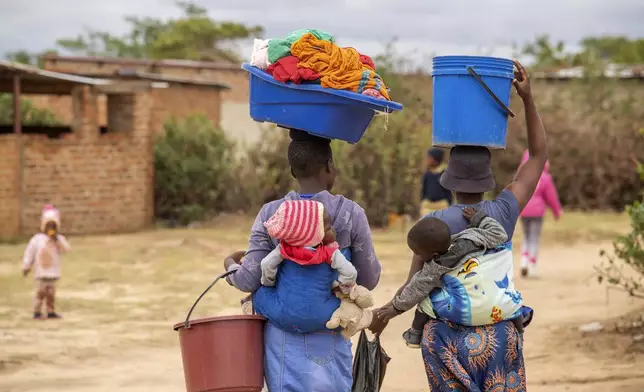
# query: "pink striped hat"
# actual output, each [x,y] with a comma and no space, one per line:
[298,223]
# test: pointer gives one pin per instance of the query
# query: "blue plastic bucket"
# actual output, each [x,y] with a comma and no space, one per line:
[324,112]
[464,112]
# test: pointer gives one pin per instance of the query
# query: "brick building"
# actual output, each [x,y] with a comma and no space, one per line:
[101,178]
[232,113]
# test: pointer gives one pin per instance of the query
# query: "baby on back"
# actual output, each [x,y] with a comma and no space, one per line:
[298,292]
[466,278]
[307,238]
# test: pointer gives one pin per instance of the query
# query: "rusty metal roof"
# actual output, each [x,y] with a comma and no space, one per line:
[39,81]
[156,77]
[145,62]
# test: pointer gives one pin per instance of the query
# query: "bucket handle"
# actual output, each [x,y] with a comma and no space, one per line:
[225,274]
[489,91]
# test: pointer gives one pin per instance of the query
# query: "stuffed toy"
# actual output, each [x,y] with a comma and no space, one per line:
[352,315]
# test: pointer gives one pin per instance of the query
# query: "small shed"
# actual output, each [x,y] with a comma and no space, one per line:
[101,181]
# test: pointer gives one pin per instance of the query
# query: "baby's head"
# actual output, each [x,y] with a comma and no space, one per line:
[50,220]
[301,223]
[429,238]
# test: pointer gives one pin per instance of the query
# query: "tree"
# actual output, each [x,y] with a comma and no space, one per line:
[24,57]
[20,56]
[545,53]
[193,36]
[595,51]
[616,49]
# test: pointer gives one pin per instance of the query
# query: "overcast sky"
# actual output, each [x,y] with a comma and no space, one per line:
[421,26]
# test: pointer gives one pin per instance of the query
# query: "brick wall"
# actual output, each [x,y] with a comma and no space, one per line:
[9,186]
[101,183]
[183,100]
[176,100]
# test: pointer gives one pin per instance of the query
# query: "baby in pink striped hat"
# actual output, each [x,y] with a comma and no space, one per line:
[43,257]
[306,237]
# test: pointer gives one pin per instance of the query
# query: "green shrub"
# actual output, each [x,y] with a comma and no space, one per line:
[194,168]
[628,251]
[31,115]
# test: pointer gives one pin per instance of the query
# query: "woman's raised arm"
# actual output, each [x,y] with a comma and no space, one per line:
[528,175]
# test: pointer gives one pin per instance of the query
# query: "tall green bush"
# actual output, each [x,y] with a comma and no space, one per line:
[628,251]
[194,170]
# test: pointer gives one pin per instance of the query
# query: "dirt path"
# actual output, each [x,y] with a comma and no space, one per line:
[558,358]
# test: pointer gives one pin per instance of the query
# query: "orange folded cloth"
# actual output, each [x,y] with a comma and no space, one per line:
[340,68]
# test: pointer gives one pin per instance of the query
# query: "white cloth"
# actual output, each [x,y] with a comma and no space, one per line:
[259,57]
[43,255]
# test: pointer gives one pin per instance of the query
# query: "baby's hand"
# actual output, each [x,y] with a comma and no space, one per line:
[386,313]
[468,213]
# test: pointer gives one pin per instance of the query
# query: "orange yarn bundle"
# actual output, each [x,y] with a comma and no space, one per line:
[340,68]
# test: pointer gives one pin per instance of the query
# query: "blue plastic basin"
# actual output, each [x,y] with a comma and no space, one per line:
[324,112]
[464,113]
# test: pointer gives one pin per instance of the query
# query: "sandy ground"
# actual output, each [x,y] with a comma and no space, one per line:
[121,295]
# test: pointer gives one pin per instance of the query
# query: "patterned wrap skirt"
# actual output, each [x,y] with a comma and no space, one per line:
[478,359]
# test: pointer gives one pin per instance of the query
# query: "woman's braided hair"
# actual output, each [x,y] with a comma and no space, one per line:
[308,154]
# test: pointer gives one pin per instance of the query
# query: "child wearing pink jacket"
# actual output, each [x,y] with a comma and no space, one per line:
[43,257]
[545,196]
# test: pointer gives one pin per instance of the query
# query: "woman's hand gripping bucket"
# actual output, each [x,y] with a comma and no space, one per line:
[223,354]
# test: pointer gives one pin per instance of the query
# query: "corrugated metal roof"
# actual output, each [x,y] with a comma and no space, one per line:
[145,62]
[136,74]
[35,73]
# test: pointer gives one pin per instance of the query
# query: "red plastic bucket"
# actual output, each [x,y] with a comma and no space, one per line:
[223,354]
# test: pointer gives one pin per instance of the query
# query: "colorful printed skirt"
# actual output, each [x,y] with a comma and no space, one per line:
[477,359]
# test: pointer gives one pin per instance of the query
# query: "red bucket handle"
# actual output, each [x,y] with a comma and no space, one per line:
[489,91]
[225,274]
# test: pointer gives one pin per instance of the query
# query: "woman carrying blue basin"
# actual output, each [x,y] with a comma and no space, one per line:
[320,361]
[489,357]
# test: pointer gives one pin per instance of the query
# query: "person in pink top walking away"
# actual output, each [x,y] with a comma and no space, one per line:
[545,196]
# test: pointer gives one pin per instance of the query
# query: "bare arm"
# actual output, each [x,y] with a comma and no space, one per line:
[64,244]
[527,177]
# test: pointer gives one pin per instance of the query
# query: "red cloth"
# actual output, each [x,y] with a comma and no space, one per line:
[366,60]
[305,256]
[286,70]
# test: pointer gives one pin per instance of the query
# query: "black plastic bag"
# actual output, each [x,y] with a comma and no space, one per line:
[369,365]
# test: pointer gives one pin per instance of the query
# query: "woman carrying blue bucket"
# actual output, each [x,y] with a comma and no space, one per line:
[489,357]
[320,361]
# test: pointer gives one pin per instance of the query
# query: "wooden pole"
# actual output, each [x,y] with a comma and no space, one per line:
[17,129]
[17,115]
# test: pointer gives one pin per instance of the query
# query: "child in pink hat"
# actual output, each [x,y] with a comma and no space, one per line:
[306,238]
[43,256]
[544,197]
